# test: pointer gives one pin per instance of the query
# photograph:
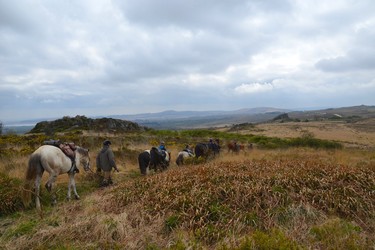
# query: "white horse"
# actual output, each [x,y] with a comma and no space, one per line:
[55,162]
[182,155]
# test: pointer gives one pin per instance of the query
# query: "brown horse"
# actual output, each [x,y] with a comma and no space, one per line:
[234,147]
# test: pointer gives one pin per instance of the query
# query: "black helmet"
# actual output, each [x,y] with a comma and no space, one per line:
[107,142]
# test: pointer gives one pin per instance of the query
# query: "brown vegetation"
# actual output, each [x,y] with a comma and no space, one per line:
[359,134]
[291,198]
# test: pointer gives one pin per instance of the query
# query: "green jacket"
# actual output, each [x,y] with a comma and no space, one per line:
[106,159]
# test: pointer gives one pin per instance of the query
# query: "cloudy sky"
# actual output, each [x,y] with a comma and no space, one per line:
[106,57]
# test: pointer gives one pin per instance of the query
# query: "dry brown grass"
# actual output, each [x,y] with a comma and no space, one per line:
[354,135]
[292,195]
[300,193]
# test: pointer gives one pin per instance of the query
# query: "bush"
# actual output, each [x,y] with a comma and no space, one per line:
[10,200]
[338,234]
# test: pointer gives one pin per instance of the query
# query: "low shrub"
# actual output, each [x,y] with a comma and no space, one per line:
[10,195]
[337,233]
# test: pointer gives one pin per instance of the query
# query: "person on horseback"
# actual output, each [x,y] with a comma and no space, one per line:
[214,145]
[162,146]
[163,150]
[106,161]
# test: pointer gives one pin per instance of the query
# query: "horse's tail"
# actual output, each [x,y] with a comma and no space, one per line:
[31,172]
[143,161]
[180,159]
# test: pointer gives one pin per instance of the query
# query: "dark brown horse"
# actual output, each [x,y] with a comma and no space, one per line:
[207,150]
[234,147]
[159,159]
[153,159]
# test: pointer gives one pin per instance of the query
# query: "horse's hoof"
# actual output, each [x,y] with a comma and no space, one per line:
[77,197]
[68,198]
[48,187]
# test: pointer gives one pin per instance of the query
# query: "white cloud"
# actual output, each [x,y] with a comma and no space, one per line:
[138,56]
[251,88]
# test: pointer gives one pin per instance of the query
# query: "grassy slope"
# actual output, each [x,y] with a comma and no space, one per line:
[291,198]
[359,134]
[264,198]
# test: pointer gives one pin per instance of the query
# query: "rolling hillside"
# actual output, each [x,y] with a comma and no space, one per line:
[213,119]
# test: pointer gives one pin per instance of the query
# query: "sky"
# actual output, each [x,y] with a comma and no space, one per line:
[112,57]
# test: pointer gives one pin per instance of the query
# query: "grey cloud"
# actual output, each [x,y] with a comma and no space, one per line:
[354,60]
[224,17]
[360,56]
[105,57]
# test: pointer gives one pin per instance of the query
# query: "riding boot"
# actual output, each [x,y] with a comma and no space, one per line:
[104,183]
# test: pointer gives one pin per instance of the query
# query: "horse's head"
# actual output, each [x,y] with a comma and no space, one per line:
[84,158]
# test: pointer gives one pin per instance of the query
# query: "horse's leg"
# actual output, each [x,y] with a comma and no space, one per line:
[49,185]
[37,192]
[75,189]
[143,164]
[72,184]
[68,197]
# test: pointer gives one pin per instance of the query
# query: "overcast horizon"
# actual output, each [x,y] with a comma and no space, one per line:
[112,57]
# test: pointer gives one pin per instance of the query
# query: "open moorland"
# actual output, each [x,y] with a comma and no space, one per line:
[305,185]
[359,134]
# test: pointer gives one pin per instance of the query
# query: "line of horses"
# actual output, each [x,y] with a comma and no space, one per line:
[154,160]
[52,160]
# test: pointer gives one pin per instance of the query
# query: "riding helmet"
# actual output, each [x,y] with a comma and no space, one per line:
[107,143]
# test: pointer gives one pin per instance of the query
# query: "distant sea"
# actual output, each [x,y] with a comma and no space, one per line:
[18,129]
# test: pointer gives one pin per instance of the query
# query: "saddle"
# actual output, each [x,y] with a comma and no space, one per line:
[189,152]
[69,149]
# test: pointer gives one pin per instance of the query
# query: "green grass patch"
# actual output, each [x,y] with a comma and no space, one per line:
[275,239]
[338,234]
[172,222]
[25,227]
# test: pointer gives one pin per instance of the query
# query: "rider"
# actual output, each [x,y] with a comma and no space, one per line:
[214,145]
[162,146]
[163,149]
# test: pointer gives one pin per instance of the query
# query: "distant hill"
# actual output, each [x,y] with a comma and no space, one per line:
[171,119]
[359,117]
[83,123]
[344,113]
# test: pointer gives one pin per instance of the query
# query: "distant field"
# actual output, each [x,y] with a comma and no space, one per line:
[360,134]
